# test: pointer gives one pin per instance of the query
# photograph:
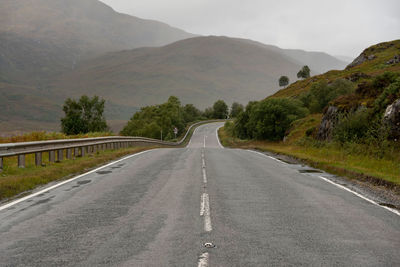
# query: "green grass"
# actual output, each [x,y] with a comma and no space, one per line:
[348,162]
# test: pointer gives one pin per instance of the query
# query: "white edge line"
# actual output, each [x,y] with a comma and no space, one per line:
[203,260]
[359,195]
[67,181]
[340,186]
[190,141]
[280,161]
[216,133]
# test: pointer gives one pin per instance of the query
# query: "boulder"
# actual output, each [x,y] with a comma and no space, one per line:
[392,119]
[394,60]
[328,122]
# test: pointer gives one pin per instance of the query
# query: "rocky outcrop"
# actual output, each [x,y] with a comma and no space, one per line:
[392,119]
[360,59]
[357,76]
[328,123]
[394,60]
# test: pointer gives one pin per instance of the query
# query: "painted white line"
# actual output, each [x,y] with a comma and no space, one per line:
[207,216]
[202,204]
[203,260]
[68,181]
[204,142]
[359,195]
[190,141]
[259,153]
[216,133]
[204,176]
[340,186]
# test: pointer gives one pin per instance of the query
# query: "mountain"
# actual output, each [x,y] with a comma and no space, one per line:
[319,62]
[198,70]
[60,33]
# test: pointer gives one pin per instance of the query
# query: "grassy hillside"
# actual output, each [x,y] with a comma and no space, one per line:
[383,52]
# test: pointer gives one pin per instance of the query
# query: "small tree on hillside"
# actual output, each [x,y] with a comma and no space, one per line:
[220,110]
[83,116]
[283,81]
[304,72]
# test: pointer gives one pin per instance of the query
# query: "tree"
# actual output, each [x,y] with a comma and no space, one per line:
[83,116]
[304,72]
[236,109]
[283,81]
[220,110]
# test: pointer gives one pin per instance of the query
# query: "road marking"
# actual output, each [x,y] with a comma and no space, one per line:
[202,204]
[259,153]
[204,143]
[204,176]
[68,181]
[359,195]
[206,213]
[203,260]
[194,132]
[216,134]
[340,186]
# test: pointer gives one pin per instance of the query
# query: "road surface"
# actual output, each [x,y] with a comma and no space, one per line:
[199,206]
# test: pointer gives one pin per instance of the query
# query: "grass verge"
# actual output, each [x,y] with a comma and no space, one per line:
[379,171]
[15,181]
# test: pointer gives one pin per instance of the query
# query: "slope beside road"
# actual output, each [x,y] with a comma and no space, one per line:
[200,205]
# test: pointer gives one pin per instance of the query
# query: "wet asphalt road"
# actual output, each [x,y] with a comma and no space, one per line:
[160,207]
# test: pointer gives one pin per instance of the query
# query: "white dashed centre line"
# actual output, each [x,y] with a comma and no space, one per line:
[203,260]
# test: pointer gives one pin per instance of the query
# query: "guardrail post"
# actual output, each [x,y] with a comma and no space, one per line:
[69,153]
[83,151]
[21,161]
[1,164]
[52,156]
[94,149]
[60,155]
[76,152]
[38,158]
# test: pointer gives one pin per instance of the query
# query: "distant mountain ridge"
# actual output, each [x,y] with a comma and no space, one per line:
[70,31]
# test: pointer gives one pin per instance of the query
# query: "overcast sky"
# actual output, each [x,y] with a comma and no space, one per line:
[339,27]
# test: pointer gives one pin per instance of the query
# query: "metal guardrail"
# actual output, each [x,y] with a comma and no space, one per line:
[78,147]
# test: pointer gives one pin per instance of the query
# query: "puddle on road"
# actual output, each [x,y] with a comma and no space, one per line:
[310,171]
[103,172]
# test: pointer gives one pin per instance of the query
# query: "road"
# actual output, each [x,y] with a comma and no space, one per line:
[161,207]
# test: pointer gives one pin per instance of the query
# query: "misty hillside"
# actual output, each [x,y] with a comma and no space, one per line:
[199,70]
[69,31]
[319,62]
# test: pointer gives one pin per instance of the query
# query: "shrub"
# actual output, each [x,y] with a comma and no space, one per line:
[321,93]
[268,119]
[352,127]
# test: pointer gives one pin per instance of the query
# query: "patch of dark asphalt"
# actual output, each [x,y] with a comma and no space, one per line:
[83,182]
[103,172]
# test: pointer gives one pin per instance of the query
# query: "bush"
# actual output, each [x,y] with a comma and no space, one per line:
[268,119]
[352,127]
[321,93]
